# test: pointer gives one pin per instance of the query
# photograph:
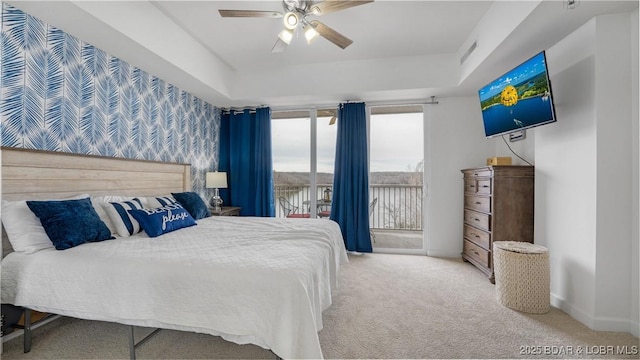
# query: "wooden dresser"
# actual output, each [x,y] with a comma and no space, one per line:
[498,206]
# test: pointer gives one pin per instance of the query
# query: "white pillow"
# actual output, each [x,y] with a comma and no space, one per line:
[24,229]
[160,201]
[118,212]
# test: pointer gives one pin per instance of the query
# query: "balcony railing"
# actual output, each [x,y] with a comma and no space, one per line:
[399,207]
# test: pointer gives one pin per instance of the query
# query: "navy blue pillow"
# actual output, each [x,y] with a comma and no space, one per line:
[162,220]
[193,203]
[69,223]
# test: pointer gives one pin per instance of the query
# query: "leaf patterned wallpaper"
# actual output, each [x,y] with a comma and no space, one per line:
[59,93]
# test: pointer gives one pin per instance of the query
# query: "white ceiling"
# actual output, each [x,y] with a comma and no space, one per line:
[381,29]
[403,51]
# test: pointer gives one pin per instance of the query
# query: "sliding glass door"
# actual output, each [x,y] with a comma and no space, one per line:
[396,165]
[303,161]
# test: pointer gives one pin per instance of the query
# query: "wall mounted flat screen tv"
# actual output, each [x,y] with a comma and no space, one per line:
[519,99]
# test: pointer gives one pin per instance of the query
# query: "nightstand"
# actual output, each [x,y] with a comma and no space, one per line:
[226,211]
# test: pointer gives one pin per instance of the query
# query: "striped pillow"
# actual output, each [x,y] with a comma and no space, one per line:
[160,201]
[118,212]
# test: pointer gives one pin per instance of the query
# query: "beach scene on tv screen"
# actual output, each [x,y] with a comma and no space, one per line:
[517,100]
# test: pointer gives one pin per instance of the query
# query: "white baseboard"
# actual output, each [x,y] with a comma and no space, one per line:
[572,311]
[596,323]
[443,254]
[614,324]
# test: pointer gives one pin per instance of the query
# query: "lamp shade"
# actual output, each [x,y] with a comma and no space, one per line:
[216,180]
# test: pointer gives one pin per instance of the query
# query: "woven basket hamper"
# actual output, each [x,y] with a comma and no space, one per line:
[522,276]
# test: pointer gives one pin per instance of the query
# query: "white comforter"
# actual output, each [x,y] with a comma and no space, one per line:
[263,281]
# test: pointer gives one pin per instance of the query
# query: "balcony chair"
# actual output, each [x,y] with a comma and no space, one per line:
[290,210]
[372,206]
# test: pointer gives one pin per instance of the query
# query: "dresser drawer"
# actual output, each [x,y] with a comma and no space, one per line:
[484,187]
[477,173]
[470,186]
[476,219]
[477,253]
[479,237]
[477,203]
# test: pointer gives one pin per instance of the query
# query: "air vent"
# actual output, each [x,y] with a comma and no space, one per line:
[469,51]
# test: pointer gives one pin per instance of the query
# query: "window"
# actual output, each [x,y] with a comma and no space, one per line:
[303,156]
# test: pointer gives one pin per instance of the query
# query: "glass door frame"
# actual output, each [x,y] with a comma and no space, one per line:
[426,179]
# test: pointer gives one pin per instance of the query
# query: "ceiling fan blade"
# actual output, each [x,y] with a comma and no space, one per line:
[331,35]
[250,13]
[329,6]
[279,46]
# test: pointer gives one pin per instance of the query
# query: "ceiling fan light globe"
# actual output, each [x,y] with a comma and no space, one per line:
[310,34]
[291,20]
[286,36]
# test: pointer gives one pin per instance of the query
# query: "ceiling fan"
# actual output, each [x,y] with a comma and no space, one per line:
[295,17]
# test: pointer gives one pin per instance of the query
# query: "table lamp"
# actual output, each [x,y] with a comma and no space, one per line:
[216,180]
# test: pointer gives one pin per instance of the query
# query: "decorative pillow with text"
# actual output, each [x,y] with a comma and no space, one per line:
[162,220]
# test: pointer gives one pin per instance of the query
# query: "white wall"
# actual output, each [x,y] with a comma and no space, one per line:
[524,148]
[455,141]
[613,226]
[635,213]
[584,167]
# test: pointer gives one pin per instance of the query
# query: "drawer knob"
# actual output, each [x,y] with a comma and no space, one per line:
[476,235]
[478,203]
[485,186]
[476,219]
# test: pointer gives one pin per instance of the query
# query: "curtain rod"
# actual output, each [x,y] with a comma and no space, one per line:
[431,101]
[236,112]
[252,110]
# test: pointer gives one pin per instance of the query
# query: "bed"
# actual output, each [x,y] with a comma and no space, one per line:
[262,281]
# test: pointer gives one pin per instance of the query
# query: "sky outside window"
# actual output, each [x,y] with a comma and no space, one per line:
[290,145]
[396,143]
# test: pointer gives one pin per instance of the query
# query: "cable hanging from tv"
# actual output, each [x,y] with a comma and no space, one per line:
[514,153]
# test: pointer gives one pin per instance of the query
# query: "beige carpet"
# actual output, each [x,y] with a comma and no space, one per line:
[387,306]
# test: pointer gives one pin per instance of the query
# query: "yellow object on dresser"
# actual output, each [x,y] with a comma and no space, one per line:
[498,161]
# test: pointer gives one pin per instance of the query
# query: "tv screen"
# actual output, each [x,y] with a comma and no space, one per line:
[519,99]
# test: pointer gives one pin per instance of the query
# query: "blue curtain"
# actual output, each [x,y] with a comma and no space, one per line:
[245,154]
[350,206]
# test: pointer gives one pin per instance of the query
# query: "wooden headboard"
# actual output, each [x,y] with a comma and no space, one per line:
[33,175]
[30,174]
